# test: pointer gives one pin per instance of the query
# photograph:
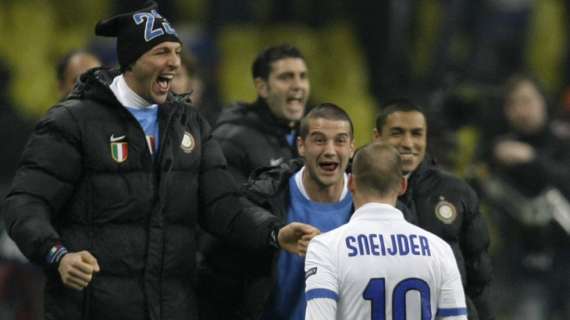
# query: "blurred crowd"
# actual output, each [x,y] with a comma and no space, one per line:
[500,119]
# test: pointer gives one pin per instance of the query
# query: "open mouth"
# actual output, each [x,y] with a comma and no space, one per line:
[163,82]
[407,155]
[328,166]
[299,100]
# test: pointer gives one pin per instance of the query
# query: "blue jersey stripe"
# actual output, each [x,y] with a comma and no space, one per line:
[320,293]
[448,312]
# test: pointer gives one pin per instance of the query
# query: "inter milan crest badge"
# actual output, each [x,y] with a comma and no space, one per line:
[119,149]
[188,143]
[445,211]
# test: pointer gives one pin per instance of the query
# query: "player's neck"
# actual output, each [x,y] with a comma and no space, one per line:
[360,200]
[320,193]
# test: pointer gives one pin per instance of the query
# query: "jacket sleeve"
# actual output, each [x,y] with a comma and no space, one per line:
[234,153]
[45,179]
[474,245]
[223,212]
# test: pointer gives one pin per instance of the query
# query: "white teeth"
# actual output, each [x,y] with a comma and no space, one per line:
[165,77]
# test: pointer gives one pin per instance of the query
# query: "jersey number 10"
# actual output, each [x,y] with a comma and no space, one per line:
[376,292]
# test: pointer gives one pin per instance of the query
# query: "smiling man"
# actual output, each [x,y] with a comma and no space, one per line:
[115,180]
[312,191]
[443,204]
[263,133]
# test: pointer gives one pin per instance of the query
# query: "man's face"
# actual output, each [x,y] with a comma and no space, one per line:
[326,149]
[525,108]
[407,131]
[286,89]
[151,75]
[78,64]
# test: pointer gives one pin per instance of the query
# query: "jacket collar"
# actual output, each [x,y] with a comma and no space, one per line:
[94,85]
[377,211]
[427,165]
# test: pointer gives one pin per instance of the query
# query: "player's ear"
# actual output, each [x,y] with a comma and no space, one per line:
[376,136]
[261,87]
[403,186]
[351,183]
[301,146]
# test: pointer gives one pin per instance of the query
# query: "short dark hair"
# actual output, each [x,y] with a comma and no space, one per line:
[377,168]
[262,64]
[63,62]
[397,105]
[327,110]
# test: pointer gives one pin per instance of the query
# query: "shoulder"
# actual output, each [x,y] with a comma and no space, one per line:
[236,114]
[269,181]
[444,180]
[63,116]
[239,118]
[326,242]
[331,238]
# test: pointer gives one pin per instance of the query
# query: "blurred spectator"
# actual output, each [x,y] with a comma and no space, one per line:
[189,80]
[385,30]
[480,40]
[528,190]
[20,283]
[71,66]
[14,130]
[263,133]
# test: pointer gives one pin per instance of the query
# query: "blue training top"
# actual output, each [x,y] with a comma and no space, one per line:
[148,119]
[289,302]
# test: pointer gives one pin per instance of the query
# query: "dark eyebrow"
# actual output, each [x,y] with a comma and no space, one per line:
[316,133]
[285,73]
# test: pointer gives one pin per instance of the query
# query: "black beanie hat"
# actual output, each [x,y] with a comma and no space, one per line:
[136,32]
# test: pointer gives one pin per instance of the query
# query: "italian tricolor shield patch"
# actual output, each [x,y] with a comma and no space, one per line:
[119,151]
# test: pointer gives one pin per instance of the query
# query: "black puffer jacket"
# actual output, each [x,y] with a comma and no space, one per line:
[251,137]
[448,207]
[243,284]
[138,217]
[234,284]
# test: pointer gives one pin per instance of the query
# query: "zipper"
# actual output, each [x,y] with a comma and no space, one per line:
[160,185]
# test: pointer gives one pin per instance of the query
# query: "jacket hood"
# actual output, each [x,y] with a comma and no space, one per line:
[94,85]
[254,115]
[265,182]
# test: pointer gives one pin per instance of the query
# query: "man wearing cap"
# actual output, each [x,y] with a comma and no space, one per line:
[116,178]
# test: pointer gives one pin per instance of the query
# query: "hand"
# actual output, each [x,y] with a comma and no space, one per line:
[295,237]
[513,152]
[76,269]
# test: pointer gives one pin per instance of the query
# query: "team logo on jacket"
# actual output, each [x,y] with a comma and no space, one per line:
[119,149]
[445,211]
[275,162]
[188,143]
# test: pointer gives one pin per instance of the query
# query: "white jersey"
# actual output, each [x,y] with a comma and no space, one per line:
[380,267]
